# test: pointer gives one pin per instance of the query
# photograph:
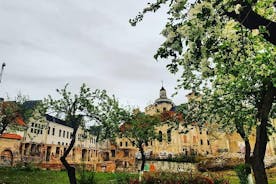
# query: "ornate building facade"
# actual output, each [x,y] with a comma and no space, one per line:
[205,141]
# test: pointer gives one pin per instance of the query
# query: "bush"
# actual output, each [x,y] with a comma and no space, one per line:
[179,158]
[87,178]
[168,178]
[241,171]
[123,178]
[218,164]
[26,166]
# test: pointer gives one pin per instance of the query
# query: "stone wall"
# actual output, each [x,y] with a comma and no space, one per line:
[9,151]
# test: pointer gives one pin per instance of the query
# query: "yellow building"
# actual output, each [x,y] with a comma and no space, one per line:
[204,141]
[173,141]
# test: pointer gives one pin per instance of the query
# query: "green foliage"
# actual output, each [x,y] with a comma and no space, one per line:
[140,128]
[87,178]
[26,166]
[123,178]
[154,178]
[13,111]
[222,55]
[218,164]
[87,105]
[241,171]
[96,106]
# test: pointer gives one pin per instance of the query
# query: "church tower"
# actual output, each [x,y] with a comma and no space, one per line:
[161,104]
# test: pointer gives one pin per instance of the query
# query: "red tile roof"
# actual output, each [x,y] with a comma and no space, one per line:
[11,136]
[20,121]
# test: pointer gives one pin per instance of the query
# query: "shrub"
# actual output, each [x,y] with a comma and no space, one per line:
[123,178]
[241,171]
[218,164]
[87,178]
[176,178]
[26,166]
[179,158]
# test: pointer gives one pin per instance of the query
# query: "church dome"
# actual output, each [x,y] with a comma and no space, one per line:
[163,97]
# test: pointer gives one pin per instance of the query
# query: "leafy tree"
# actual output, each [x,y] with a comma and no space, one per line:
[140,130]
[226,51]
[95,130]
[85,106]
[14,113]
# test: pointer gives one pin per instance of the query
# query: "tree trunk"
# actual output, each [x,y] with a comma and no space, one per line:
[141,149]
[264,106]
[247,156]
[4,125]
[71,171]
[247,162]
[257,160]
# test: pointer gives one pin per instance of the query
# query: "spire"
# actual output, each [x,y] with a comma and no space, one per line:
[163,93]
[162,88]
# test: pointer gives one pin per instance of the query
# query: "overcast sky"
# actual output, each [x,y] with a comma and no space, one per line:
[48,43]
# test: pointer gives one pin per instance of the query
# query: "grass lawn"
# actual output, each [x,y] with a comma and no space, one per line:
[16,176]
[233,179]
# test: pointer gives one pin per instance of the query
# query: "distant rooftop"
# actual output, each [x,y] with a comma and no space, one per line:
[57,120]
[11,136]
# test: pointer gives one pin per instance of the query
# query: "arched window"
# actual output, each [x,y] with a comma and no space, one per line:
[160,136]
[169,135]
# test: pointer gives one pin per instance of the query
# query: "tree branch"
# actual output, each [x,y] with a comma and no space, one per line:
[251,20]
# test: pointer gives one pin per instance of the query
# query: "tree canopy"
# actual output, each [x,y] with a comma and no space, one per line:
[15,114]
[77,109]
[225,50]
[140,129]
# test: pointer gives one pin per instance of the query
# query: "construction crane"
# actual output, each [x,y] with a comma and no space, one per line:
[2,69]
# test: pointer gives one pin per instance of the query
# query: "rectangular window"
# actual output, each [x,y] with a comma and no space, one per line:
[32,124]
[59,134]
[126,153]
[112,153]
[57,150]
[121,144]
[63,133]
[201,141]
[32,130]
[67,135]
[49,130]
[126,144]
[53,133]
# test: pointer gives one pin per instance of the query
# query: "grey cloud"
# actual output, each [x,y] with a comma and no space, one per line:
[47,43]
